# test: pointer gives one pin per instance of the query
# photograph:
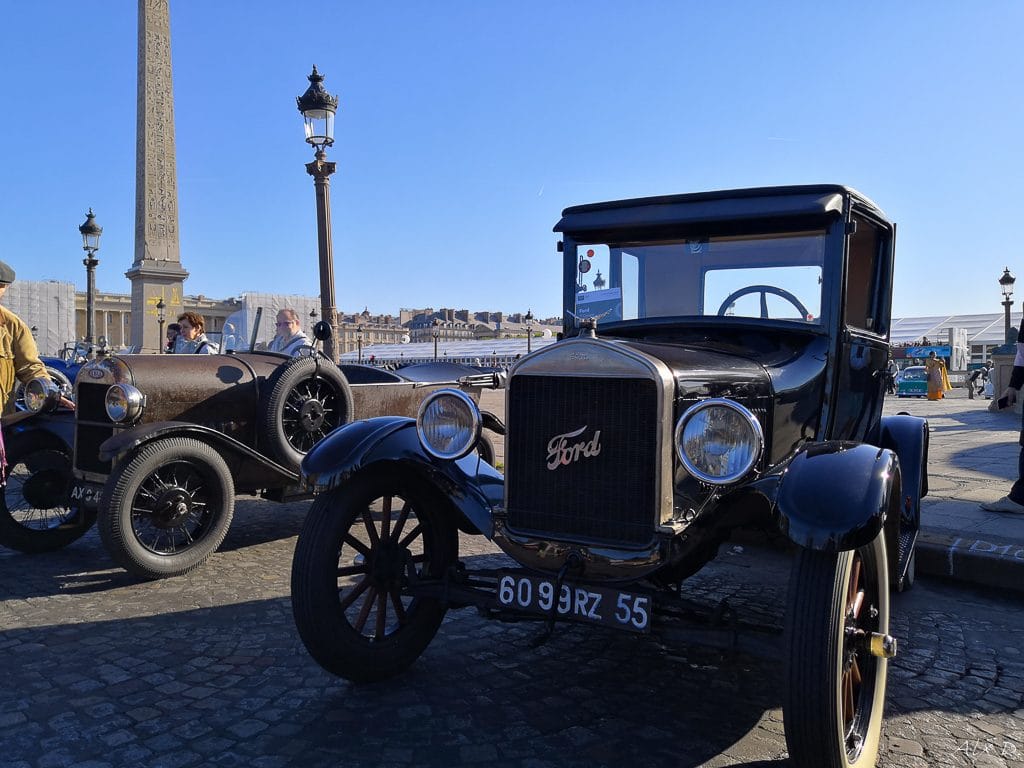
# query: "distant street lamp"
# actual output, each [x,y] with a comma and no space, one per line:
[359,342]
[529,330]
[437,335]
[160,317]
[318,107]
[1006,284]
[91,232]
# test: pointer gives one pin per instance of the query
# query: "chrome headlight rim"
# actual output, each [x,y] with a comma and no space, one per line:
[472,435]
[130,407]
[757,435]
[41,394]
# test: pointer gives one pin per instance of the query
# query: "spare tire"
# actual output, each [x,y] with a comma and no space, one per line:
[304,399]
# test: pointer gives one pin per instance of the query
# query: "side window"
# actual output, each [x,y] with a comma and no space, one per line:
[862,279]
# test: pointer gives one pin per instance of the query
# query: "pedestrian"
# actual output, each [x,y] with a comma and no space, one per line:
[193,335]
[289,338]
[891,372]
[173,331]
[19,356]
[938,380]
[1014,500]
[973,378]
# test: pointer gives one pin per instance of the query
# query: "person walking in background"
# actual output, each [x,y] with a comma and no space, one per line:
[973,379]
[193,334]
[1014,500]
[290,337]
[173,331]
[938,380]
[891,372]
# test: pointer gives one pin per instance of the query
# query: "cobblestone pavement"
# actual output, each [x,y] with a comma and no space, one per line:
[207,669]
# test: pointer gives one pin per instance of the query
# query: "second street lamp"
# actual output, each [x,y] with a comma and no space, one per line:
[359,342]
[529,330]
[160,317]
[91,232]
[437,335]
[318,108]
[1006,285]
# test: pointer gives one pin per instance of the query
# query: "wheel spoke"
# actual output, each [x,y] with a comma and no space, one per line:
[411,536]
[371,530]
[364,613]
[357,545]
[396,602]
[385,519]
[382,614]
[354,594]
[400,523]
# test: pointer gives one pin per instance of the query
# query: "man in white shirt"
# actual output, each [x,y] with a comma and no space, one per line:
[289,338]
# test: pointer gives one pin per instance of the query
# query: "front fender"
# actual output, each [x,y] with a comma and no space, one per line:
[834,496]
[130,439]
[472,485]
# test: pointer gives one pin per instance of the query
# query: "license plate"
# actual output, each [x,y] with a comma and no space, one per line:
[86,494]
[615,608]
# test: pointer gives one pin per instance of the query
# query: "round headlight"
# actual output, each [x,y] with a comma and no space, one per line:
[41,394]
[123,402]
[448,424]
[718,441]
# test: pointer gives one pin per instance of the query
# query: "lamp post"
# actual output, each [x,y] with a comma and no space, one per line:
[318,107]
[91,232]
[160,317]
[359,342]
[436,334]
[529,331]
[1006,285]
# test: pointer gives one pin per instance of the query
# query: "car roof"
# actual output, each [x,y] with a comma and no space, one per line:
[719,205]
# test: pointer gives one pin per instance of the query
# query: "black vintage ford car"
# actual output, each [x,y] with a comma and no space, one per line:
[722,366]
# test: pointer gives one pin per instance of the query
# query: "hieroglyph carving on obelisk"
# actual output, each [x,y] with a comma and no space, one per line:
[156,272]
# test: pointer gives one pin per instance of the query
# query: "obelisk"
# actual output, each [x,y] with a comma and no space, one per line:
[156,272]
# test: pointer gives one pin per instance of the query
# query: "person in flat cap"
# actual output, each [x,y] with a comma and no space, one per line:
[19,357]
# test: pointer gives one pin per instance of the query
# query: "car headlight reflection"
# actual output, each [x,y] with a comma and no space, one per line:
[124,403]
[719,441]
[448,424]
[41,394]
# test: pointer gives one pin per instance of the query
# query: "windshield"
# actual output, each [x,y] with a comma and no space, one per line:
[777,276]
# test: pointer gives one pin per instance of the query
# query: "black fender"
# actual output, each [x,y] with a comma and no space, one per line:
[492,422]
[907,437]
[130,439]
[50,428]
[835,496]
[473,486]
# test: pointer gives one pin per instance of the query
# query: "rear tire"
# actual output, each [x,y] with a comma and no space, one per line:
[834,700]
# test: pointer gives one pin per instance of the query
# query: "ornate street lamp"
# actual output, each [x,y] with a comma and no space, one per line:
[1006,285]
[437,335]
[359,342]
[160,317]
[318,107]
[91,232]
[529,330]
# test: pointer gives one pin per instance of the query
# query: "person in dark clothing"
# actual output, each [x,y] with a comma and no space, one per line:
[973,380]
[1014,500]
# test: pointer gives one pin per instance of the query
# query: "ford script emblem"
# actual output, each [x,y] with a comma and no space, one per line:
[561,453]
[95,373]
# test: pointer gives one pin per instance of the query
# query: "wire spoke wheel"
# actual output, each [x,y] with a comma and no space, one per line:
[311,410]
[836,688]
[167,507]
[35,510]
[359,555]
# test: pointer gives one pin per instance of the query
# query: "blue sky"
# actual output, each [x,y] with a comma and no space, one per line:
[465,127]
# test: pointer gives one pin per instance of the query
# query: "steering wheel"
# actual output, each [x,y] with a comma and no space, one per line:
[764,290]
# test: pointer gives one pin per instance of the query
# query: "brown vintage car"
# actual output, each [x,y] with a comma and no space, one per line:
[162,443]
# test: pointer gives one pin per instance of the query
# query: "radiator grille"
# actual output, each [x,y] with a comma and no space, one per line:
[608,498]
[92,427]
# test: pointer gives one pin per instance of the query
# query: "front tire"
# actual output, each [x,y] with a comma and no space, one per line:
[35,511]
[361,548]
[167,508]
[834,700]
